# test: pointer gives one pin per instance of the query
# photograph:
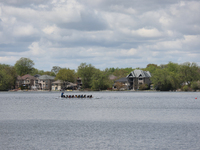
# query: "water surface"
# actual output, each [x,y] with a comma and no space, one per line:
[110,120]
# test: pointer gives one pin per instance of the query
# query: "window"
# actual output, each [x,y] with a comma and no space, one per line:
[140,78]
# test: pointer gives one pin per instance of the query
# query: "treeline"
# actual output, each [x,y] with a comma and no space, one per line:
[167,77]
[173,76]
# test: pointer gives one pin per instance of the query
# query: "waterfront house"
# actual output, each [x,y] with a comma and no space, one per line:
[25,82]
[57,85]
[36,82]
[79,83]
[137,78]
[45,82]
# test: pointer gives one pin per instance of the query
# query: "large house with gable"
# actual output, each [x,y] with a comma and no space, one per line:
[137,78]
[25,82]
[45,82]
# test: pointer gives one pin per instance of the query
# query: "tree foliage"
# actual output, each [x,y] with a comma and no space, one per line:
[66,74]
[55,69]
[8,77]
[189,72]
[100,80]
[172,76]
[195,85]
[86,72]
[24,66]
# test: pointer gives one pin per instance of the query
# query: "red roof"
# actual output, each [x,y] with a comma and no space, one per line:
[27,76]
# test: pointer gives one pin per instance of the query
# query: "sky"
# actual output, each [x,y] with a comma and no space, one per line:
[104,33]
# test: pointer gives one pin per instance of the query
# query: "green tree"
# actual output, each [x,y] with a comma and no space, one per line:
[55,69]
[160,79]
[36,71]
[100,80]
[66,74]
[119,73]
[24,66]
[151,68]
[189,72]
[195,85]
[49,73]
[86,72]
[7,77]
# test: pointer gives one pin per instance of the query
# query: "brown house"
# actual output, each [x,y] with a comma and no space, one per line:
[25,82]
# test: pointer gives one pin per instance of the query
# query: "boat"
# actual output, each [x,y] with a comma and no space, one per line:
[76,96]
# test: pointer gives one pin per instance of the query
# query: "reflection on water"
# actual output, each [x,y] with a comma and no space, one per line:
[110,120]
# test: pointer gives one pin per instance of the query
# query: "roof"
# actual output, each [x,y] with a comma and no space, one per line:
[112,77]
[27,76]
[46,77]
[57,82]
[139,73]
[37,75]
[123,80]
[70,84]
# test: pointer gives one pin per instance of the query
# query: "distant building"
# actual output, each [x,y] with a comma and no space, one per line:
[25,82]
[112,77]
[45,82]
[57,85]
[137,78]
[79,83]
[36,82]
[123,84]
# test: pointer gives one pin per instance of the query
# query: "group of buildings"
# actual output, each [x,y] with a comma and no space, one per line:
[135,79]
[45,82]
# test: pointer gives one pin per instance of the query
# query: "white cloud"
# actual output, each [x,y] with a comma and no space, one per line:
[49,29]
[24,31]
[147,32]
[103,33]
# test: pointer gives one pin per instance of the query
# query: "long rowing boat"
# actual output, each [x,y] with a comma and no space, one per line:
[76,96]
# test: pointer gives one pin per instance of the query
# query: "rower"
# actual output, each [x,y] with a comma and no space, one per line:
[62,94]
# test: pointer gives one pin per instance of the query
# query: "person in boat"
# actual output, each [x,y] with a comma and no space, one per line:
[62,94]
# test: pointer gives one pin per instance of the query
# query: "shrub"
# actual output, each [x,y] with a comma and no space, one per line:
[143,87]
[185,88]
[195,85]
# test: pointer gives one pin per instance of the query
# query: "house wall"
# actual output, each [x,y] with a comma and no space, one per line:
[45,84]
[139,81]
[56,87]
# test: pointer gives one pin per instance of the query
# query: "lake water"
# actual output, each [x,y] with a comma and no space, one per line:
[108,121]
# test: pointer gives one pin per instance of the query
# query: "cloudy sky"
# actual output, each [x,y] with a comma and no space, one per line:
[104,33]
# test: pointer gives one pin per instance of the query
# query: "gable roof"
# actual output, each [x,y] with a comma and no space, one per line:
[57,82]
[139,73]
[46,77]
[27,76]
